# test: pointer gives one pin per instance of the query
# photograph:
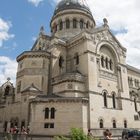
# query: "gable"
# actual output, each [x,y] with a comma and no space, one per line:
[103,36]
[42,43]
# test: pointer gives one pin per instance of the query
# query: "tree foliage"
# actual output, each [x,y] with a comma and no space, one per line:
[76,134]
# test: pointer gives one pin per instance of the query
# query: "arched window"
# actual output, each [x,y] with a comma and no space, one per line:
[105,99]
[5,126]
[60,25]
[7,90]
[76,57]
[102,61]
[125,124]
[106,62]
[74,23]
[138,83]
[114,123]
[39,48]
[67,23]
[61,60]
[52,113]
[135,81]
[81,24]
[19,87]
[111,64]
[135,104]
[101,123]
[54,27]
[87,25]
[114,100]
[46,113]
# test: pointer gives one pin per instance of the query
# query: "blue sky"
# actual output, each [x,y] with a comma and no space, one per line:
[25,19]
[20,22]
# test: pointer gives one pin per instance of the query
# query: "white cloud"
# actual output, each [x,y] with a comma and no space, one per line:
[121,15]
[8,68]
[35,2]
[4,31]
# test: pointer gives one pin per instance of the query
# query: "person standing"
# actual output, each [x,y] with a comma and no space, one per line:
[107,135]
[89,134]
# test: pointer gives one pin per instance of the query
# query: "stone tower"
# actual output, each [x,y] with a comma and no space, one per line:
[33,68]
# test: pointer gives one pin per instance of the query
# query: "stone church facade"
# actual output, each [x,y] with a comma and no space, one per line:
[77,77]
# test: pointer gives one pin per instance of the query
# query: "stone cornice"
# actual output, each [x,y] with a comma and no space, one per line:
[72,12]
[33,54]
[76,40]
[32,71]
[66,91]
[69,77]
[64,81]
[124,49]
[127,99]
[90,52]
[133,69]
[122,98]
[63,100]
[96,30]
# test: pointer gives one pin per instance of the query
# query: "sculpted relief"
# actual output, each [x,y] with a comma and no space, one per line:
[106,36]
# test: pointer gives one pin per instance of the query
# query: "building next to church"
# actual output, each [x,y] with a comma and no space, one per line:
[76,77]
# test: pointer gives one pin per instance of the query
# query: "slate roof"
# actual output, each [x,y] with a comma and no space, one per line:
[71,4]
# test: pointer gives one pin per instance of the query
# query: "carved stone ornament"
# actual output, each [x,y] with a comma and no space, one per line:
[33,63]
[70,86]
[105,36]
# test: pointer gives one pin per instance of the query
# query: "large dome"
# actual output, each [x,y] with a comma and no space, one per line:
[70,18]
[71,4]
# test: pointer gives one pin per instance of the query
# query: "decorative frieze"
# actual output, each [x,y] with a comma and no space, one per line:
[68,77]
[32,71]
[108,75]
[105,35]
[64,99]
[33,54]
[70,86]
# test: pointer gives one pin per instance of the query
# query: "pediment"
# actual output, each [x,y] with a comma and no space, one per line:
[43,42]
[31,88]
[8,83]
[105,35]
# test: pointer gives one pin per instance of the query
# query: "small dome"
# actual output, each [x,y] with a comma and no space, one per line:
[71,4]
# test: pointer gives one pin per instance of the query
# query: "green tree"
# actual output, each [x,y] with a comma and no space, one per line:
[76,134]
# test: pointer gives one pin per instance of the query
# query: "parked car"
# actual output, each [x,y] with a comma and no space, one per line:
[128,133]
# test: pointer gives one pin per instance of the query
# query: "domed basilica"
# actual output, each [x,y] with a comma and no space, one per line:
[75,78]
